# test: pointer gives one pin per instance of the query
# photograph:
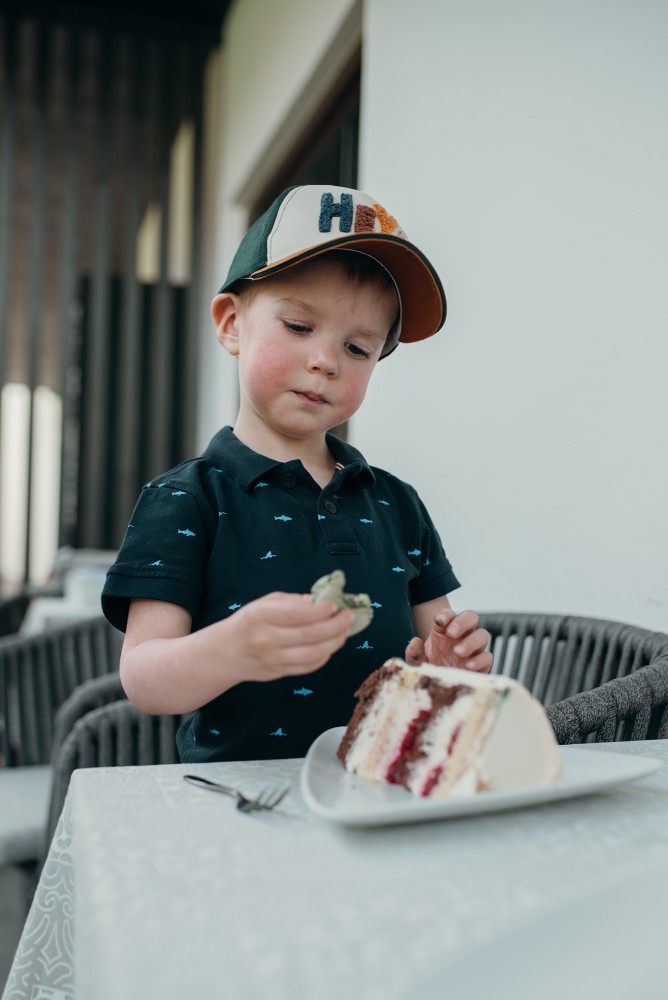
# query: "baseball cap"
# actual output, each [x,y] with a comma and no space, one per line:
[307,221]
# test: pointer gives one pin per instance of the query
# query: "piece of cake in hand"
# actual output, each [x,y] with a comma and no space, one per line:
[440,731]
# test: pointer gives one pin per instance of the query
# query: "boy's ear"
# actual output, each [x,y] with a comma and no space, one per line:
[225,312]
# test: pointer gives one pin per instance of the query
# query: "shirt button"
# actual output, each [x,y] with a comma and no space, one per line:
[331,506]
[289,480]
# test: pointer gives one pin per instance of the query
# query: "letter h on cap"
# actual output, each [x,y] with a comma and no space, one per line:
[329,208]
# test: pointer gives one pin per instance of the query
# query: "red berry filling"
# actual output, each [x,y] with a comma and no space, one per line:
[434,775]
[406,745]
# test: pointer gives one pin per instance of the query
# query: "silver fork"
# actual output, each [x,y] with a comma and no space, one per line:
[267,799]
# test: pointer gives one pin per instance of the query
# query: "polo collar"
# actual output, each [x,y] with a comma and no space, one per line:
[246,467]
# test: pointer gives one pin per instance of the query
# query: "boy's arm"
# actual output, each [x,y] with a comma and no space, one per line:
[166,668]
[448,639]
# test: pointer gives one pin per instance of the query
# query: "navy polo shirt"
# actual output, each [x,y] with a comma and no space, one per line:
[224,529]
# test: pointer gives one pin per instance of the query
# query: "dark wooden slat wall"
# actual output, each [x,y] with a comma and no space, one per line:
[89,116]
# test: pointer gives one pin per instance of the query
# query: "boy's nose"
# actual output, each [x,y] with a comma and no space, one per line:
[324,361]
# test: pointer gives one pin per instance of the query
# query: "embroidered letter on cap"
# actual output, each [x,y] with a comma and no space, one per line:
[330,208]
[365,219]
[387,222]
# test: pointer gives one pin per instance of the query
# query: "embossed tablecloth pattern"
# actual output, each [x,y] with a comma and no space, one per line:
[178,894]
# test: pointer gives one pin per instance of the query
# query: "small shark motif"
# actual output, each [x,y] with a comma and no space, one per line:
[365,520]
[385,503]
[304,691]
[158,562]
[427,562]
[415,552]
[215,732]
[221,512]
[398,569]
[321,517]
[185,531]
[365,645]
[179,493]
[278,732]
[161,485]
[375,604]
[258,485]
[269,555]
[282,517]
[233,607]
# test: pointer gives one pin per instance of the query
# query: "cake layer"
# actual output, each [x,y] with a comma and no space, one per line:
[440,731]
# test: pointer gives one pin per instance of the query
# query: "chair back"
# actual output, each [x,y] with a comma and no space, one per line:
[556,656]
[117,734]
[37,673]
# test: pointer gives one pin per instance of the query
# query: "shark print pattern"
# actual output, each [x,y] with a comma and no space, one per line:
[228,516]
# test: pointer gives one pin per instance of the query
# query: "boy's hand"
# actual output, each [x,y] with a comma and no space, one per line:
[454,641]
[284,634]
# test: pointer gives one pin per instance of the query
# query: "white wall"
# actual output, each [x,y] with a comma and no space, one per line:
[278,64]
[523,145]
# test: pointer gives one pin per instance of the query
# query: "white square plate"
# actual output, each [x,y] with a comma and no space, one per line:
[330,792]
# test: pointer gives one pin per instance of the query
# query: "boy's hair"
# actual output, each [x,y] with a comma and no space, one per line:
[306,222]
[358,268]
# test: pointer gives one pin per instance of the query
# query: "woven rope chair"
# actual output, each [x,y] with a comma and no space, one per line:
[117,734]
[600,680]
[37,675]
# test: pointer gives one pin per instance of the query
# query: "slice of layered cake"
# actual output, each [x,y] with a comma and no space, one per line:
[439,732]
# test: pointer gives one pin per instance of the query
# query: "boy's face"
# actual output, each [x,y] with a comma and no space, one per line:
[307,341]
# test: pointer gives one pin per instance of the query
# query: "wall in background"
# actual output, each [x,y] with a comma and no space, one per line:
[523,146]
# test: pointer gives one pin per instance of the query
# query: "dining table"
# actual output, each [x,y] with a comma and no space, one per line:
[155,888]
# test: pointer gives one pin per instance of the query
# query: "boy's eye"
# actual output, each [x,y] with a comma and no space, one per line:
[356,351]
[295,327]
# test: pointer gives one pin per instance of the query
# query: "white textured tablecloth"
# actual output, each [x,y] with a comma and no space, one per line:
[154,888]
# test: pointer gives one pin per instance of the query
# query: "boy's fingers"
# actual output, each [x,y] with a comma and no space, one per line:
[443,619]
[415,651]
[463,623]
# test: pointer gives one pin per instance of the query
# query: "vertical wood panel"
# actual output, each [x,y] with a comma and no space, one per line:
[68,308]
[127,455]
[162,357]
[88,121]
[95,424]
[42,43]
[7,158]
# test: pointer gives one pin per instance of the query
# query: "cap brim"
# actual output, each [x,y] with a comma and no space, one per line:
[423,303]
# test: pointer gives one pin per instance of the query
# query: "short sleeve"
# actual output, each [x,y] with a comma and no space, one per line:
[163,556]
[437,577]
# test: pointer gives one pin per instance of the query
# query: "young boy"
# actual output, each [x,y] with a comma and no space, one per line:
[212,582]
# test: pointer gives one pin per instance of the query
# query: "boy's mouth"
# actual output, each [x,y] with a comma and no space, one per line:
[313,397]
